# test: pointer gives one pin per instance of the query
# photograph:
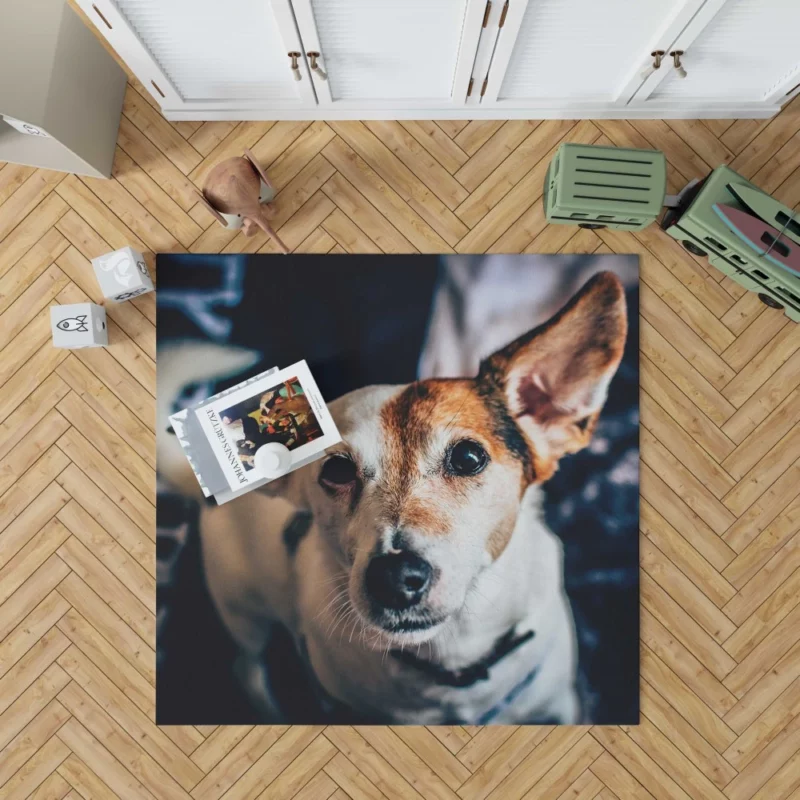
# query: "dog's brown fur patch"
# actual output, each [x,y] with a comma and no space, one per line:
[425,514]
[409,423]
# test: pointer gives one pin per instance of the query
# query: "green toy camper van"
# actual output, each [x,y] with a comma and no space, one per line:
[702,232]
[605,187]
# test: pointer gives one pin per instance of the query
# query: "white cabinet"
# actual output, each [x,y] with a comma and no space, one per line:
[207,55]
[386,54]
[571,52]
[339,59]
[735,51]
[717,57]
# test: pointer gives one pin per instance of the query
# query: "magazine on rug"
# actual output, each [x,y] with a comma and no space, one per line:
[281,407]
[285,407]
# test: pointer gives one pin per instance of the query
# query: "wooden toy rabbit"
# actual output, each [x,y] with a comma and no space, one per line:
[237,192]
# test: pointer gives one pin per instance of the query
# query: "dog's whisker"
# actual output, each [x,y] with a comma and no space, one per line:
[342,618]
[352,615]
[350,618]
[342,593]
[332,600]
[341,577]
[353,629]
[338,588]
[348,612]
[340,615]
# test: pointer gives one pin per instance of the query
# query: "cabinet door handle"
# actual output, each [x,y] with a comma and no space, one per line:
[295,66]
[313,56]
[657,56]
[102,17]
[676,60]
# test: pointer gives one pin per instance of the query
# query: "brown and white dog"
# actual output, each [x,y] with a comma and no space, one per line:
[425,587]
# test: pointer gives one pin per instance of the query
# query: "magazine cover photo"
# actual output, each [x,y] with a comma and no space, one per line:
[280,414]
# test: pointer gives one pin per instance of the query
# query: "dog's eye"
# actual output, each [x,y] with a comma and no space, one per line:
[338,471]
[466,458]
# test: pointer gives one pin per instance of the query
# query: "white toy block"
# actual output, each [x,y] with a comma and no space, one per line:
[78,325]
[122,274]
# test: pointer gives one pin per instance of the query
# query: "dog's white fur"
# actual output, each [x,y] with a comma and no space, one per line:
[481,591]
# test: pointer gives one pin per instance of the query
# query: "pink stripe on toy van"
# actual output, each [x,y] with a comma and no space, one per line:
[764,239]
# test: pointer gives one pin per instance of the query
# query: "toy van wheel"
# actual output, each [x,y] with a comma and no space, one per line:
[693,248]
[769,301]
[592,226]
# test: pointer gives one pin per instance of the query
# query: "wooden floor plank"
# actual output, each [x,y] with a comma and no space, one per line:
[494,151]
[496,185]
[30,630]
[638,763]
[743,608]
[119,744]
[675,583]
[106,770]
[160,132]
[12,176]
[420,162]
[227,772]
[31,556]
[30,266]
[103,581]
[672,742]
[403,181]
[110,625]
[683,446]
[379,231]
[168,177]
[383,197]
[437,143]
[299,153]
[685,702]
[147,192]
[36,770]
[30,193]
[150,738]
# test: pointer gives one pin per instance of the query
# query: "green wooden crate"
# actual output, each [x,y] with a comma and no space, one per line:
[599,187]
[701,231]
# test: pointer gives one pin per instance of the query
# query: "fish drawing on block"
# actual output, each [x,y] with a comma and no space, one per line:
[77,324]
[764,239]
[120,265]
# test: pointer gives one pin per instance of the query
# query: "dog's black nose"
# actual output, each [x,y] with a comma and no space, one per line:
[398,581]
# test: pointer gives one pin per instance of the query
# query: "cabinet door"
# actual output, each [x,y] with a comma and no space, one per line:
[578,53]
[207,55]
[737,51]
[384,54]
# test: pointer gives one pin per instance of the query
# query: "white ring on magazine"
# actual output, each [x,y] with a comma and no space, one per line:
[273,459]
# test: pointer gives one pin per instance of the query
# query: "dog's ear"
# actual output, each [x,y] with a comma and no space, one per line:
[555,378]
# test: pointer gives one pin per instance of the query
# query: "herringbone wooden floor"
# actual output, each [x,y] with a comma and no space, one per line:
[720,407]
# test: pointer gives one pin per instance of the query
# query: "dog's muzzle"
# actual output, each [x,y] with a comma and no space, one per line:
[399,581]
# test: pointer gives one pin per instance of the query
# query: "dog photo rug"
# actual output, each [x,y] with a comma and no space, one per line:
[467,554]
